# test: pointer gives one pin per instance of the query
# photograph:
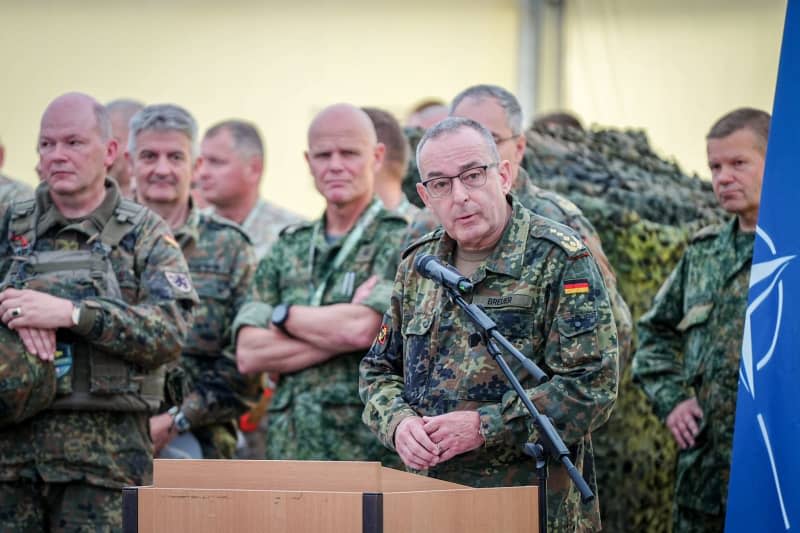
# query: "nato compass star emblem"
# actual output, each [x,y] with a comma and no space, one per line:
[766,273]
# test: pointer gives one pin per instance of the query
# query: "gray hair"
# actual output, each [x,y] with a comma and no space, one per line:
[163,117]
[246,137]
[452,125]
[755,120]
[507,101]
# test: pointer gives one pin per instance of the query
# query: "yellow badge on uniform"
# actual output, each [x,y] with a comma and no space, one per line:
[382,334]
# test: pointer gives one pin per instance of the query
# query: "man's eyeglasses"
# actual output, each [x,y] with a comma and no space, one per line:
[471,178]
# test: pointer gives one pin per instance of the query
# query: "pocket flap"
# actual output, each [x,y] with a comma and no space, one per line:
[570,326]
[419,324]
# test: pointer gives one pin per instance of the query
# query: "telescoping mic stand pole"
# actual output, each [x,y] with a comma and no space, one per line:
[549,442]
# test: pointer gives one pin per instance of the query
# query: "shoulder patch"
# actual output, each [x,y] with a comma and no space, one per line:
[435,235]
[561,235]
[706,233]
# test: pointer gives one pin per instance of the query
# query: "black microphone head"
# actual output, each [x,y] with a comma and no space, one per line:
[422,261]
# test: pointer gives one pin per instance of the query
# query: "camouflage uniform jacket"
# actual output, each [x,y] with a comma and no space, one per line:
[11,189]
[146,328]
[264,223]
[689,346]
[316,412]
[221,262]
[421,363]
[556,207]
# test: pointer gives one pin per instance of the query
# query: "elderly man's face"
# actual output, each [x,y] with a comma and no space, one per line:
[225,175]
[737,169]
[73,157]
[474,217]
[342,159]
[162,167]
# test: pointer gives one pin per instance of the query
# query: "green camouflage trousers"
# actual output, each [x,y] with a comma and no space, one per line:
[73,507]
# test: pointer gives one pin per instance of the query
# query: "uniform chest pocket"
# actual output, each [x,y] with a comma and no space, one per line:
[481,379]
[417,358]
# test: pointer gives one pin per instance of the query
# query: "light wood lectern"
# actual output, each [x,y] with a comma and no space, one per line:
[318,497]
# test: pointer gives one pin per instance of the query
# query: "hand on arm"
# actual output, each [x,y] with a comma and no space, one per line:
[162,430]
[35,316]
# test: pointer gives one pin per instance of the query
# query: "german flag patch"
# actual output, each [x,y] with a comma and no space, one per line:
[576,286]
[382,334]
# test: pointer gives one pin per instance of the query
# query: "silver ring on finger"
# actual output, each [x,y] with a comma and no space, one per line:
[16,312]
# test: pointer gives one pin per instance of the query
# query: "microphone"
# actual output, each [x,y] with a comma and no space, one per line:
[429,266]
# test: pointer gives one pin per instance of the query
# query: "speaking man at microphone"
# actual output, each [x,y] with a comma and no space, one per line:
[443,404]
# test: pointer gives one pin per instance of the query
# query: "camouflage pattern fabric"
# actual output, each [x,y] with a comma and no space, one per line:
[406,209]
[264,224]
[689,346]
[644,209]
[410,180]
[316,412]
[74,507]
[221,263]
[147,328]
[11,189]
[422,363]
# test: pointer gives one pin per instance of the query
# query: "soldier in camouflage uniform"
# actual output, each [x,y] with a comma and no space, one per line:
[121,111]
[499,111]
[321,292]
[63,468]
[446,407]
[229,177]
[389,178]
[690,340]
[161,155]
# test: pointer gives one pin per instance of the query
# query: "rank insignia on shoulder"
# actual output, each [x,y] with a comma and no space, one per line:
[576,286]
[179,281]
[170,240]
[382,334]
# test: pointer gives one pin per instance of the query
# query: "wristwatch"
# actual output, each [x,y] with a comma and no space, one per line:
[76,314]
[179,420]
[280,314]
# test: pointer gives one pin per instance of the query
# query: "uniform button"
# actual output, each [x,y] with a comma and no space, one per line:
[577,323]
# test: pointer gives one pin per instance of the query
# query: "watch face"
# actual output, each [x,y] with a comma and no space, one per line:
[279,314]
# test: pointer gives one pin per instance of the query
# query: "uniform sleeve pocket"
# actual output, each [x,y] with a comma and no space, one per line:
[697,314]
[572,326]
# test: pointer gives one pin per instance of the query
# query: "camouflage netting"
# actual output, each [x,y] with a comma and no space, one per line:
[644,209]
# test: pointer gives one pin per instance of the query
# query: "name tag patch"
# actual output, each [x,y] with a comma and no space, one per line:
[510,300]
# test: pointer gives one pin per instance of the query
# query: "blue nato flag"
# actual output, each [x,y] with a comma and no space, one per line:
[764,490]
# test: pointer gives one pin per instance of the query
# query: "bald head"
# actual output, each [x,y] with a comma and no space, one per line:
[81,106]
[343,155]
[344,119]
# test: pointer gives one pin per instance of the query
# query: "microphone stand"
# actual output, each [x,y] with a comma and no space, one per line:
[549,442]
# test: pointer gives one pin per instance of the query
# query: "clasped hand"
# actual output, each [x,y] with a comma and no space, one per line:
[424,442]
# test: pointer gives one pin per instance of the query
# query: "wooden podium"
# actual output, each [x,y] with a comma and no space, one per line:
[318,497]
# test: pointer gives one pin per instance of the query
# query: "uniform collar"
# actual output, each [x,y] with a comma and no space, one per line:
[90,225]
[190,230]
[507,257]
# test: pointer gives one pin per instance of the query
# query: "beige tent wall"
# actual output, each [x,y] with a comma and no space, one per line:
[270,61]
[670,66]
